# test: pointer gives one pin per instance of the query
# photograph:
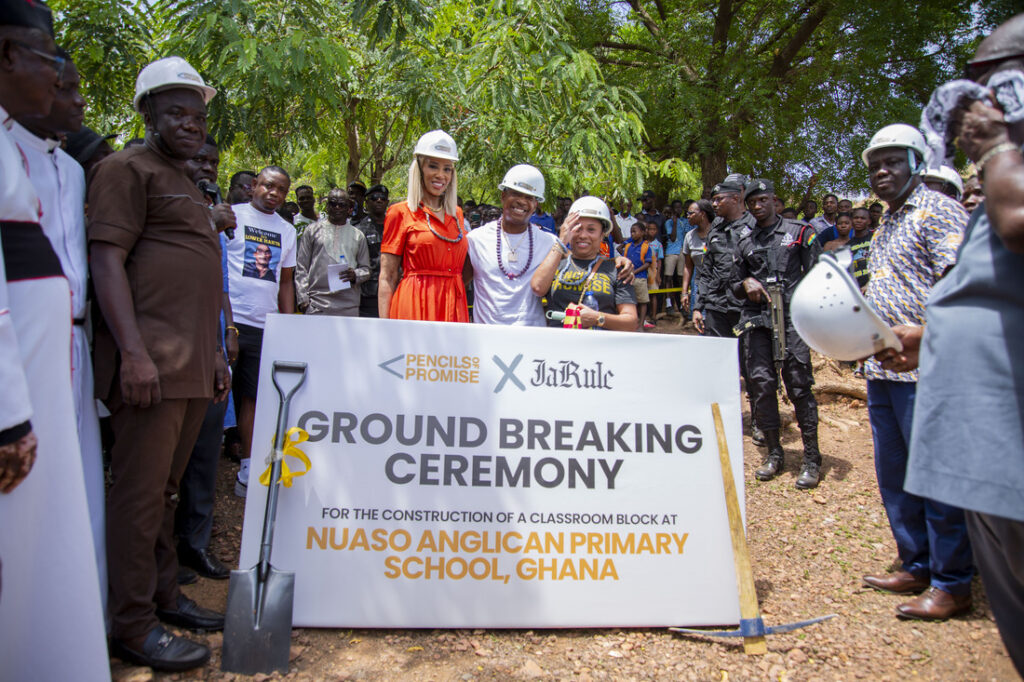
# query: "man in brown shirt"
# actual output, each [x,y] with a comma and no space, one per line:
[156,266]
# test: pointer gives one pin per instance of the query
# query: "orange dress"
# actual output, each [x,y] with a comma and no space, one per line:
[431,286]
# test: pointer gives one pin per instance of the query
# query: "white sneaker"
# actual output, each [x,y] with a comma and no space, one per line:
[242,480]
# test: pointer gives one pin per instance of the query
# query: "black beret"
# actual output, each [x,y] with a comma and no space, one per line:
[760,186]
[27,13]
[378,188]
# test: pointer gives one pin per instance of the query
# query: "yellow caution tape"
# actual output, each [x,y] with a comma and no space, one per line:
[290,449]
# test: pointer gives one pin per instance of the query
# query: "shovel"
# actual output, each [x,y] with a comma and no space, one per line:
[258,622]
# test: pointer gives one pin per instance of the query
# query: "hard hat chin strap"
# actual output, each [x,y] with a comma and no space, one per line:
[916,166]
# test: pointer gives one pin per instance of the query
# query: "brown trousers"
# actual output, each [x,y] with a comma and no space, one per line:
[151,449]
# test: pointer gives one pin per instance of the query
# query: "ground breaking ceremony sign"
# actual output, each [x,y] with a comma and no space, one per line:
[464,475]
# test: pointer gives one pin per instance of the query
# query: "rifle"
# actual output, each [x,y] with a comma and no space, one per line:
[775,316]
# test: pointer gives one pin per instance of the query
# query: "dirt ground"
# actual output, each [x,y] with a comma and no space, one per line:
[809,550]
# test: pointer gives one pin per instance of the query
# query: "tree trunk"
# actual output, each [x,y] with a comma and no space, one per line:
[712,169]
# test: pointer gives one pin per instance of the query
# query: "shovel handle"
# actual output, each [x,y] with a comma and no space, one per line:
[270,514]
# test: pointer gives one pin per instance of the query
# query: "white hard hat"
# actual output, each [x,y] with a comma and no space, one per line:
[526,179]
[593,207]
[438,144]
[946,174]
[167,73]
[831,315]
[898,135]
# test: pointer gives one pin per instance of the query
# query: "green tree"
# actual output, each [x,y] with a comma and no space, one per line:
[782,88]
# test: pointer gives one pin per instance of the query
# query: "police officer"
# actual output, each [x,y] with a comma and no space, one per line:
[782,250]
[716,311]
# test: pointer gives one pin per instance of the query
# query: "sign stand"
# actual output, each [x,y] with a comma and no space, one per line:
[752,628]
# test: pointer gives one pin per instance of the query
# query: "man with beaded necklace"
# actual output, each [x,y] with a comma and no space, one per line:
[504,253]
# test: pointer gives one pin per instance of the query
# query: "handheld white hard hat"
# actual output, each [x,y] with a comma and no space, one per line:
[899,135]
[831,315]
[946,174]
[526,179]
[593,207]
[167,73]
[438,144]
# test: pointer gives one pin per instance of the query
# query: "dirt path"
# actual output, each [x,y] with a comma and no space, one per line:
[809,551]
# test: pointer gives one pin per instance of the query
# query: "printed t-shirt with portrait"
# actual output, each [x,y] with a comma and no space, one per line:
[861,248]
[263,244]
[574,274]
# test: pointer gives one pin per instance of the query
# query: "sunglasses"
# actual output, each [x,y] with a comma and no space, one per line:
[338,204]
[376,197]
[56,61]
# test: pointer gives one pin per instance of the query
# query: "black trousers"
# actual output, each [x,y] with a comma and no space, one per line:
[194,516]
[998,545]
[763,382]
[721,325]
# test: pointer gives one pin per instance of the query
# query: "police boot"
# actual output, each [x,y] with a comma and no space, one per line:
[772,464]
[810,472]
[756,434]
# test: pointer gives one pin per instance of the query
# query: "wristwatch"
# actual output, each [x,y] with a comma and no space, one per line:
[600,320]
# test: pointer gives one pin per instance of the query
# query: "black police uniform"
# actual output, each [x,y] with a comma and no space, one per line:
[715,298]
[790,248]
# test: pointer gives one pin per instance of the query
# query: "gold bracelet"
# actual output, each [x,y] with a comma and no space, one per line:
[998,149]
[231,329]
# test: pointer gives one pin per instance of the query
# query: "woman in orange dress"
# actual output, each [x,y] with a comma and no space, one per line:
[424,236]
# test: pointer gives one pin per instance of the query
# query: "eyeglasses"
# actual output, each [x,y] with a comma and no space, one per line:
[57,61]
[338,204]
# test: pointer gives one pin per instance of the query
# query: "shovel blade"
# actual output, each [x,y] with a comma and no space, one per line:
[252,647]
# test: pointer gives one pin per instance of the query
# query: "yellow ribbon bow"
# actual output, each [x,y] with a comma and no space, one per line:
[290,449]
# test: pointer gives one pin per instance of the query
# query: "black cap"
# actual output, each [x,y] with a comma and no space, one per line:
[731,185]
[378,188]
[760,186]
[83,144]
[27,13]
[356,183]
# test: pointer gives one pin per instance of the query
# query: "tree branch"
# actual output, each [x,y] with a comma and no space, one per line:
[784,59]
[615,45]
[620,62]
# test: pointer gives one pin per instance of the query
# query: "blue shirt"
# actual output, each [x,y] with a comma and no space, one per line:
[544,221]
[633,253]
[675,247]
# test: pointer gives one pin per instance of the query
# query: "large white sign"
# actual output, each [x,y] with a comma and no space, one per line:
[480,476]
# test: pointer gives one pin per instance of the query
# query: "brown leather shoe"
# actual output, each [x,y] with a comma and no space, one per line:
[935,604]
[900,582]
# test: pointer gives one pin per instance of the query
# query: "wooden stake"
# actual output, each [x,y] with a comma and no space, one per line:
[749,608]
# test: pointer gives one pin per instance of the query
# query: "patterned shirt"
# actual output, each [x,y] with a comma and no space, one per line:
[910,251]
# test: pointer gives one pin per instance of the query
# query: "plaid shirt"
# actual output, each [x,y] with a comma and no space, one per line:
[910,251]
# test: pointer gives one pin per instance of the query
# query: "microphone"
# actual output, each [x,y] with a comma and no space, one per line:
[212,192]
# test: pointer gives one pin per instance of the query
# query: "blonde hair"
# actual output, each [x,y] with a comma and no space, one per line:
[414,192]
